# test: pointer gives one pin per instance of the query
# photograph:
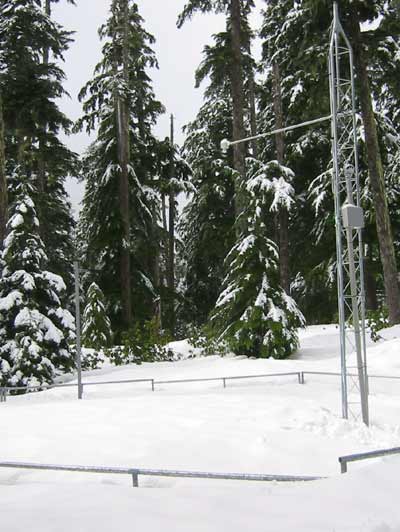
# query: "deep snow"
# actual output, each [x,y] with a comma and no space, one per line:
[272,426]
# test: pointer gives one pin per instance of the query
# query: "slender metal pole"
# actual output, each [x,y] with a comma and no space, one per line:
[78,329]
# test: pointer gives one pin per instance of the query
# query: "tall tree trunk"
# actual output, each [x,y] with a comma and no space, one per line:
[164,261]
[371,300]
[283,217]
[376,173]
[42,144]
[124,159]
[3,180]
[171,239]
[252,106]
[238,103]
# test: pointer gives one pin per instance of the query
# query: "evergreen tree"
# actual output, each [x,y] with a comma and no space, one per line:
[96,326]
[290,34]
[253,314]
[170,180]
[304,95]
[30,86]
[353,14]
[207,221]
[118,226]
[236,12]
[35,329]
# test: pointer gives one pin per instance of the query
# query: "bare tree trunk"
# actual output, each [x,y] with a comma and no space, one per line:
[157,283]
[283,217]
[376,174]
[238,104]
[124,159]
[171,239]
[3,180]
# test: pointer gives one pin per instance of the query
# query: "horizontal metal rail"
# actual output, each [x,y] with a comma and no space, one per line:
[335,374]
[344,460]
[134,472]
[234,377]
[119,382]
[5,390]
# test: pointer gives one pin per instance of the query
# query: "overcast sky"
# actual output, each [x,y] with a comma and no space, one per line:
[178,53]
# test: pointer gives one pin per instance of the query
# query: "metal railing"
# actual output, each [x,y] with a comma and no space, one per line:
[134,472]
[344,460]
[5,391]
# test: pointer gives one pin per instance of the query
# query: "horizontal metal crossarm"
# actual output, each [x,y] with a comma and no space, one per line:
[226,143]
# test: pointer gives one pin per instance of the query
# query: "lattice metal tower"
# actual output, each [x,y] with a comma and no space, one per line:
[349,223]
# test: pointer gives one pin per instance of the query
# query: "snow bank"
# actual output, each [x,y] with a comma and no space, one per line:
[273,425]
[365,501]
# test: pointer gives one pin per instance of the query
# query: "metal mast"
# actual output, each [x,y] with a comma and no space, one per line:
[349,223]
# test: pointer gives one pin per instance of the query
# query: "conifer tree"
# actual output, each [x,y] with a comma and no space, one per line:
[208,220]
[30,86]
[353,14]
[304,95]
[118,222]
[253,314]
[96,326]
[236,12]
[35,329]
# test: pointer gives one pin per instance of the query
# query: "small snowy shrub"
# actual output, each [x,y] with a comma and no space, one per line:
[93,358]
[203,339]
[143,343]
[377,320]
[96,330]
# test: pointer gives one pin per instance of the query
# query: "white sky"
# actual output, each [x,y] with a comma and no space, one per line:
[178,53]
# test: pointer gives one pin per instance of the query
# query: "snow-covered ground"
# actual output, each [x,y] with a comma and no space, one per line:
[273,425]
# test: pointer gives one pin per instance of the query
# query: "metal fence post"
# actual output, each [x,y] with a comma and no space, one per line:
[135,479]
[224,381]
[152,385]
[78,330]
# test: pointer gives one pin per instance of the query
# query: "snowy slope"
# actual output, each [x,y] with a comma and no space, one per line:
[272,426]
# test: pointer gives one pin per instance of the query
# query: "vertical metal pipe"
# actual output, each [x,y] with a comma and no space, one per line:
[78,329]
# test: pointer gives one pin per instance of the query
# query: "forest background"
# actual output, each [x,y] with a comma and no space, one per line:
[251,257]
